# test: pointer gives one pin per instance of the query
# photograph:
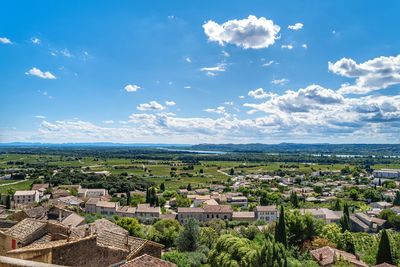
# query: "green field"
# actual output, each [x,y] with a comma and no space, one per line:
[160,171]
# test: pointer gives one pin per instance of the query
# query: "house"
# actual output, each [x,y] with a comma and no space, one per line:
[33,213]
[90,205]
[324,214]
[266,213]
[126,211]
[238,200]
[60,192]
[68,201]
[381,205]
[106,208]
[147,260]
[327,257]
[387,173]
[185,213]
[198,200]
[87,193]
[26,197]
[101,243]
[145,212]
[361,222]
[223,212]
[244,216]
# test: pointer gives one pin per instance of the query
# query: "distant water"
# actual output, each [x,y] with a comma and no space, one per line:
[193,151]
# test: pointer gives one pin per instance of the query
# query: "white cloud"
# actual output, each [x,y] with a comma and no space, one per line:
[251,32]
[40,117]
[108,122]
[304,46]
[229,103]
[65,52]
[5,40]
[170,103]
[188,60]
[225,54]
[260,94]
[241,96]
[38,73]
[282,81]
[187,87]
[212,71]
[375,74]
[132,88]
[269,63]
[296,27]
[35,40]
[289,47]
[152,105]
[218,110]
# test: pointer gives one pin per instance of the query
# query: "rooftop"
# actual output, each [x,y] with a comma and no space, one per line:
[147,260]
[217,209]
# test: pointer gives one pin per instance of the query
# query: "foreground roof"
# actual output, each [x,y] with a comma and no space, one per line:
[147,260]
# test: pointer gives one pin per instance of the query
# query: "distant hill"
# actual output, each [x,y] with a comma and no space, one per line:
[323,148]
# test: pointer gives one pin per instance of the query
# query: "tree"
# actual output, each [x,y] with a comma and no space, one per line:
[337,206]
[345,222]
[188,238]
[128,197]
[162,187]
[132,225]
[396,200]
[189,187]
[280,229]
[232,171]
[384,254]
[8,202]
[164,232]
[294,200]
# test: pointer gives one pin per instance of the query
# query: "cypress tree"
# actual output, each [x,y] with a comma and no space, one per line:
[345,222]
[8,202]
[147,195]
[337,205]
[384,254]
[162,187]
[128,197]
[396,200]
[280,229]
[189,187]
[294,199]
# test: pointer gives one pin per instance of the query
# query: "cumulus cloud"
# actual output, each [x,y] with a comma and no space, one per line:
[375,74]
[296,27]
[282,81]
[188,60]
[170,103]
[5,40]
[259,94]
[152,105]
[40,117]
[252,32]
[303,100]
[288,46]
[132,87]
[38,73]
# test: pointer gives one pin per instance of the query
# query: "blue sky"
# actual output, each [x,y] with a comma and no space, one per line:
[200,71]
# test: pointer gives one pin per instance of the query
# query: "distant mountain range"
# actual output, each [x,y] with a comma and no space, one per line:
[320,148]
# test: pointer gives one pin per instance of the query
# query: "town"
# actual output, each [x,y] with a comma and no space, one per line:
[329,209]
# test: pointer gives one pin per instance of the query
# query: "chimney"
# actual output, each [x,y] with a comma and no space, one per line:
[87,231]
[127,241]
[69,233]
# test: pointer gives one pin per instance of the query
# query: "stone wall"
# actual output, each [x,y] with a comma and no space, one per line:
[87,253]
